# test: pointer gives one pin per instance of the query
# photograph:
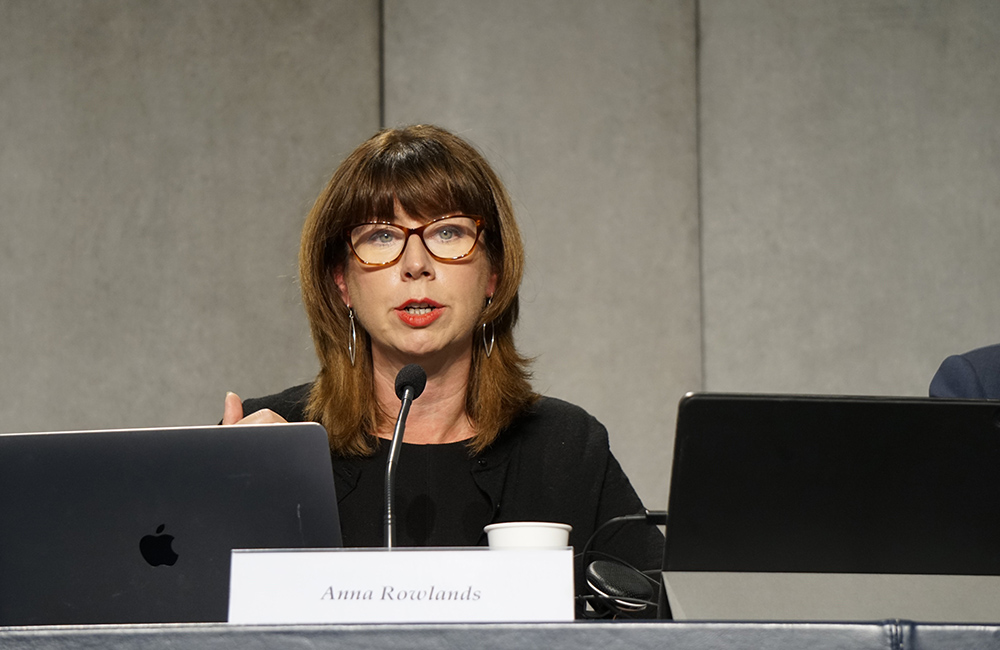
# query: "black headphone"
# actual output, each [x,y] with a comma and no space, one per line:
[616,587]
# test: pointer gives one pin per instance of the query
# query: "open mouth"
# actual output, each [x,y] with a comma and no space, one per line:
[420,313]
[419,309]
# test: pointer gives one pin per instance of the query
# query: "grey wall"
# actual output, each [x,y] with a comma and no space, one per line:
[851,203]
[744,195]
[588,112]
[157,162]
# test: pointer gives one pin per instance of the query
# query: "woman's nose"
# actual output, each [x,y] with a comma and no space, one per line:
[416,261]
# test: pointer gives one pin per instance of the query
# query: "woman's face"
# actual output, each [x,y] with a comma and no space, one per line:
[418,307]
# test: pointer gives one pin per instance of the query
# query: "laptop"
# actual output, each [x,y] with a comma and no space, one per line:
[834,508]
[137,525]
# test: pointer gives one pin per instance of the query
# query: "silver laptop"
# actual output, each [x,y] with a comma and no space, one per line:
[137,526]
[834,508]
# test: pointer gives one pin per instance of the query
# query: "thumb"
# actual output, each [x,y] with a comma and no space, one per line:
[233,411]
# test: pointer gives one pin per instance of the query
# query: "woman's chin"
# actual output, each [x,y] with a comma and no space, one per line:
[430,352]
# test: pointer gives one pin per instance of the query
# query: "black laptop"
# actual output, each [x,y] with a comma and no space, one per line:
[825,508]
[137,526]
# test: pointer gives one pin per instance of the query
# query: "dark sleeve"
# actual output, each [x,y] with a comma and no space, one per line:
[289,404]
[636,543]
[566,472]
[639,543]
[957,377]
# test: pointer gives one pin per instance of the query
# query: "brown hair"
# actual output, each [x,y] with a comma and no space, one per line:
[429,171]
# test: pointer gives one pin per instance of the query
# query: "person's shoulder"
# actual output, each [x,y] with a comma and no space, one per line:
[974,374]
[555,420]
[987,357]
[553,407]
[289,403]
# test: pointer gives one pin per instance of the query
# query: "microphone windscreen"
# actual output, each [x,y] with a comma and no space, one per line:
[414,377]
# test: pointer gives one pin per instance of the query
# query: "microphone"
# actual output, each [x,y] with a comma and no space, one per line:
[410,383]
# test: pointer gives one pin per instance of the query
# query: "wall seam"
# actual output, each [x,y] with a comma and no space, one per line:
[381,64]
[699,192]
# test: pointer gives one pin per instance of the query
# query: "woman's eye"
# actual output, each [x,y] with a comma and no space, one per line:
[447,233]
[382,237]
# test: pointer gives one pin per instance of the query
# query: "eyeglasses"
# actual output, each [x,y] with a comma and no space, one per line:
[447,239]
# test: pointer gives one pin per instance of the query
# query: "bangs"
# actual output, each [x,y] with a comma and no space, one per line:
[426,177]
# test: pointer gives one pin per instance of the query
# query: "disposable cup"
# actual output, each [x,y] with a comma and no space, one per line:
[528,534]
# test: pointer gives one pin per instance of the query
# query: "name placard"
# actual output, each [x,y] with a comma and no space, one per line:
[401,585]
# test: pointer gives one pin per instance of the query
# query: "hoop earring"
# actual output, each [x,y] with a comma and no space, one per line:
[352,339]
[488,344]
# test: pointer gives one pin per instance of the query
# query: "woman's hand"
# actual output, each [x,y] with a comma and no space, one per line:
[233,413]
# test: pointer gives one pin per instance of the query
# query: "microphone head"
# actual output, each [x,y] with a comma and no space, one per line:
[414,377]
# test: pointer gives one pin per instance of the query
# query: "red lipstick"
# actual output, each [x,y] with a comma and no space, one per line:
[419,312]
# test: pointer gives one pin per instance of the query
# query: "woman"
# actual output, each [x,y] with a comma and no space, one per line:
[412,255]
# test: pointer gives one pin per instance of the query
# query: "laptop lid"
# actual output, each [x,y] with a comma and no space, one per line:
[136,526]
[834,508]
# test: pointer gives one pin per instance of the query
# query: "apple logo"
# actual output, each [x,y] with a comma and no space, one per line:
[156,548]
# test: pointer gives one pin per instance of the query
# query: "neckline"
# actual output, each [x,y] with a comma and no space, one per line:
[385,442]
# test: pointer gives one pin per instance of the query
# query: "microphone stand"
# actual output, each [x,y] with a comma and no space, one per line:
[390,469]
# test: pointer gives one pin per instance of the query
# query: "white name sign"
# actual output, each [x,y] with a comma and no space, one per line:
[401,585]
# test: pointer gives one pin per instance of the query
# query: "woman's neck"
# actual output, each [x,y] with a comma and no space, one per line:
[439,415]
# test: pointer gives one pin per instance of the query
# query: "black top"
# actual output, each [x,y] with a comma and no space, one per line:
[552,463]
[437,502]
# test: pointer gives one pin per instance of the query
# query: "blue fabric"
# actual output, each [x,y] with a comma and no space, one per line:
[973,375]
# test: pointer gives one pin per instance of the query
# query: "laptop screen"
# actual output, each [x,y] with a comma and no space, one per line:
[137,526]
[788,486]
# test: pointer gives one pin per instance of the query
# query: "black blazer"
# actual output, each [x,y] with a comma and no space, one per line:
[974,375]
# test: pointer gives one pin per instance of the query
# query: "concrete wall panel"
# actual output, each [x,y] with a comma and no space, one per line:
[158,160]
[587,111]
[850,152]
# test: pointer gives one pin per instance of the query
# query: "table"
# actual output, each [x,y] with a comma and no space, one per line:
[672,635]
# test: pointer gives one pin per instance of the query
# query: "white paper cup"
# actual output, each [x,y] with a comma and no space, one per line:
[528,534]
